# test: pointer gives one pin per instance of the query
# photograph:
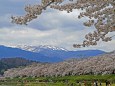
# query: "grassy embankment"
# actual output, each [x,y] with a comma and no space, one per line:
[59,81]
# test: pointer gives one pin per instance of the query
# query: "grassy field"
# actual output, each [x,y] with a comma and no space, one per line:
[48,84]
[82,80]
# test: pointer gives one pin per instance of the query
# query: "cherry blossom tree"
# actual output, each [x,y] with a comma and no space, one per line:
[103,64]
[100,14]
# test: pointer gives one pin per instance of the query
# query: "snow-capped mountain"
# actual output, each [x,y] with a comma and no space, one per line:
[11,52]
[45,53]
[39,48]
[56,52]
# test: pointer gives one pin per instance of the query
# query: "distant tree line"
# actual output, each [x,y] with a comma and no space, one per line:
[7,63]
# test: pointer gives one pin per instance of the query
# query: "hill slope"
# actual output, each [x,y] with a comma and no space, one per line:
[104,64]
[7,63]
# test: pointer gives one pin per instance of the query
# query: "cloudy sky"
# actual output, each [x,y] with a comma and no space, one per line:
[51,28]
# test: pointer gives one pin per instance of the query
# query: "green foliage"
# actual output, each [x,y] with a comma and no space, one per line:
[3,67]
[7,63]
[59,81]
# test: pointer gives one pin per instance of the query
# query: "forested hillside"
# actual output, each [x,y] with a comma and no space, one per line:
[7,63]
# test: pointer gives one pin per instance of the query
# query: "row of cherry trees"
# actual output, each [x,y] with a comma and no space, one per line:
[104,64]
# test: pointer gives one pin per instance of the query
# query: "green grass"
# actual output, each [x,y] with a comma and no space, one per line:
[45,84]
[58,81]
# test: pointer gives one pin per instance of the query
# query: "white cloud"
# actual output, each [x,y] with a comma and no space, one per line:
[58,20]
[55,37]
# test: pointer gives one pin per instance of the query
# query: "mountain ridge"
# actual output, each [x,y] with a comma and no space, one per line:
[46,54]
